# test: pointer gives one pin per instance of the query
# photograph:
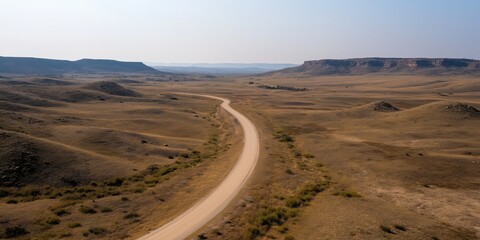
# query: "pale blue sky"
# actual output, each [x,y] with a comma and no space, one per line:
[276,31]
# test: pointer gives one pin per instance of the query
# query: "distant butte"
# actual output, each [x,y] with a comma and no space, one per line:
[359,66]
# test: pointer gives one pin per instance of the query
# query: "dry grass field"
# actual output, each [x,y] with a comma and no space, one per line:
[396,157]
[104,158]
[342,157]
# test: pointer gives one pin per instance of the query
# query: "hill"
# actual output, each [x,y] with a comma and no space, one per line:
[25,65]
[112,89]
[358,66]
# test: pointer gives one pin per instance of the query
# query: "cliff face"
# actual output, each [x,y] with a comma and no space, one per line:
[426,66]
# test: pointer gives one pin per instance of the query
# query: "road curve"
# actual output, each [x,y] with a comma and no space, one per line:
[210,206]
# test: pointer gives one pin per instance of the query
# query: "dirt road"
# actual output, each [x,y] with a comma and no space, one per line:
[207,208]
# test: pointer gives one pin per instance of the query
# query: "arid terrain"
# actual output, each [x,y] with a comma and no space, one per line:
[88,157]
[371,156]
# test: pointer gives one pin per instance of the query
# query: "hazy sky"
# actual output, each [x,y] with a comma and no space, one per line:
[277,31]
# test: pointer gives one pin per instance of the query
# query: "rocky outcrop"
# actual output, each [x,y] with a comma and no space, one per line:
[358,66]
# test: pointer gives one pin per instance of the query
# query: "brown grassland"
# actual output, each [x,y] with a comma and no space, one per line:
[342,157]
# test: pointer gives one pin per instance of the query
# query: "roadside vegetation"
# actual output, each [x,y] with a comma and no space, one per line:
[269,217]
[280,87]
[274,213]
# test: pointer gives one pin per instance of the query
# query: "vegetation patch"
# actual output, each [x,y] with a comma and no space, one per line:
[266,218]
[97,230]
[282,136]
[131,215]
[65,235]
[61,212]
[305,194]
[53,221]
[74,225]
[276,216]
[87,210]
[12,201]
[105,209]
[13,232]
[280,87]
[347,194]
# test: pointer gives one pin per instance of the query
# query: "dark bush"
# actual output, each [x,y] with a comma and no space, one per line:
[87,210]
[53,221]
[115,183]
[293,202]
[13,232]
[61,212]
[131,215]
[252,233]
[74,225]
[97,230]
[105,209]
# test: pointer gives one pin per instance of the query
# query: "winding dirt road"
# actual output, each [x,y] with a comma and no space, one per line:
[207,208]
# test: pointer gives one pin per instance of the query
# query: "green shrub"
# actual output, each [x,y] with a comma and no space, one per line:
[347,194]
[293,202]
[105,209]
[308,155]
[13,232]
[12,201]
[217,232]
[97,230]
[53,221]
[151,180]
[312,188]
[272,216]
[87,210]
[4,193]
[61,212]
[131,215]
[74,224]
[115,182]
[136,178]
[252,233]
[305,195]
[166,170]
[281,136]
